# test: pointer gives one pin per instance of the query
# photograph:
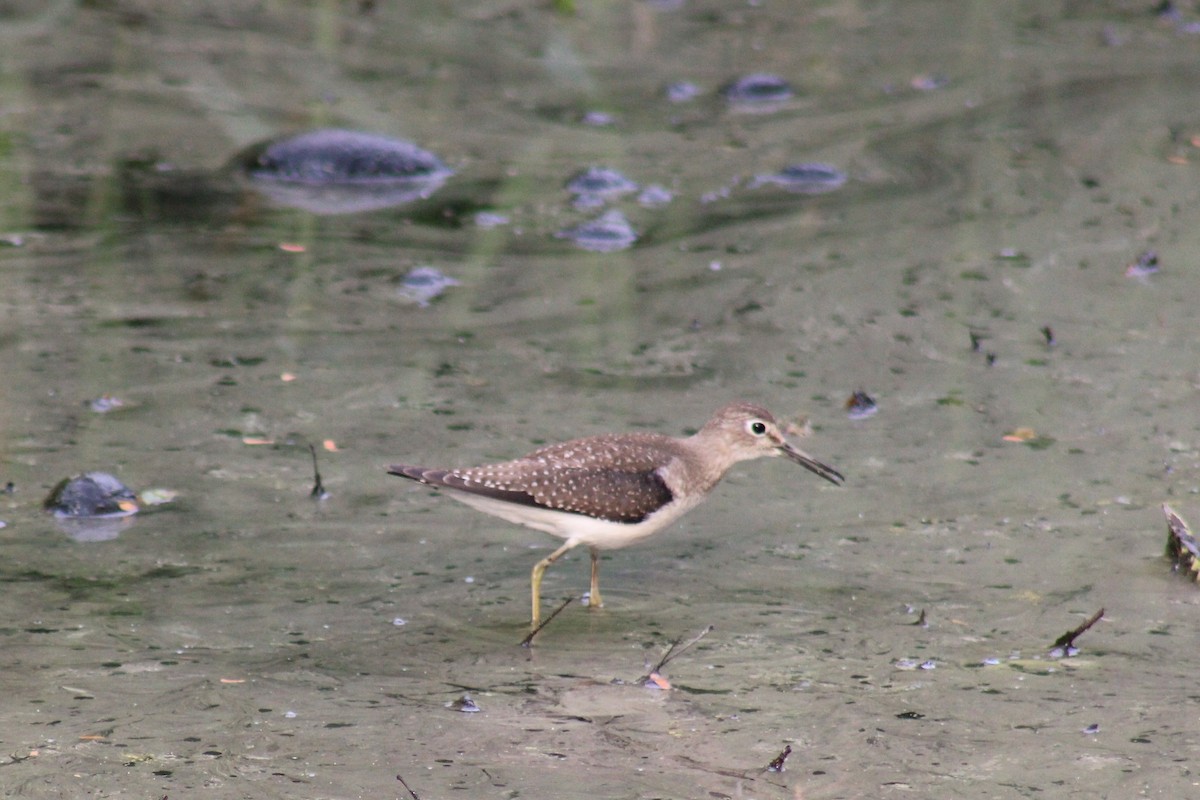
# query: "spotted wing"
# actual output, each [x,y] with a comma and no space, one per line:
[627,496]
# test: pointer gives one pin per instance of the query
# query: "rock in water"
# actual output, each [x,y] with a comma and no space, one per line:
[336,171]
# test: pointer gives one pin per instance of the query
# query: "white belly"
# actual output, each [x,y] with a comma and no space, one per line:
[577,529]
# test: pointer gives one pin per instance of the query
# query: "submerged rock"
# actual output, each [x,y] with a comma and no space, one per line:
[93,495]
[596,185]
[804,178]
[758,92]
[423,284]
[607,233]
[335,171]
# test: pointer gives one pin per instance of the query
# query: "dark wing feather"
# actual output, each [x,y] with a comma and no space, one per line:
[614,495]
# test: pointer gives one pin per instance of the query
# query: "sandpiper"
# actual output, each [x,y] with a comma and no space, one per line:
[612,490]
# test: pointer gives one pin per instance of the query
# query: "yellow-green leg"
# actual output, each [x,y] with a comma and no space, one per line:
[535,580]
[594,600]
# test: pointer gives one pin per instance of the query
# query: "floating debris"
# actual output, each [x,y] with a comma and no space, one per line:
[677,648]
[528,640]
[760,92]
[776,764]
[1146,264]
[607,233]
[1028,436]
[318,491]
[597,185]
[93,495]
[340,172]
[464,704]
[157,496]
[423,284]
[1182,547]
[860,405]
[682,92]
[1064,645]
[804,179]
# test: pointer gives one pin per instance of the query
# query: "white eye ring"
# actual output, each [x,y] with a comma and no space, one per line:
[756,427]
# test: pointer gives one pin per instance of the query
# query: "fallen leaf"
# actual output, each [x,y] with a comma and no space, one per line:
[257,440]
[1020,435]
[659,681]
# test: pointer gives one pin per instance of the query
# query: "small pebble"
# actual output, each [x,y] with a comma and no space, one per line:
[654,196]
[599,119]
[682,92]
[758,92]
[929,82]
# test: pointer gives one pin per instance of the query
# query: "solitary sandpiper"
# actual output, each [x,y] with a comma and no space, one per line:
[612,490]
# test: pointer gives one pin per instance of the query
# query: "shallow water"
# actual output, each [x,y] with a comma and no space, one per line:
[245,640]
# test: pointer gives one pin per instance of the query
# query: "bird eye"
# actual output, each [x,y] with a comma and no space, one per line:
[757,427]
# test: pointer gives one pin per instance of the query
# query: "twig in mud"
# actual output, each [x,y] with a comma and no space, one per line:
[318,491]
[674,651]
[776,764]
[1067,640]
[528,640]
[405,785]
[921,621]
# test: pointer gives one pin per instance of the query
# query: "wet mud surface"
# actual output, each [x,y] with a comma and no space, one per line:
[238,638]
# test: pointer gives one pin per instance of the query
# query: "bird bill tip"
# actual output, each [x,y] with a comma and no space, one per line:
[812,465]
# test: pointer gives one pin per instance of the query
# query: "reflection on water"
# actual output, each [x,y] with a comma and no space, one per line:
[244,639]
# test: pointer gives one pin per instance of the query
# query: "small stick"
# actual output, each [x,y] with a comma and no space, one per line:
[674,651]
[318,490]
[528,640]
[776,764]
[405,785]
[1067,640]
